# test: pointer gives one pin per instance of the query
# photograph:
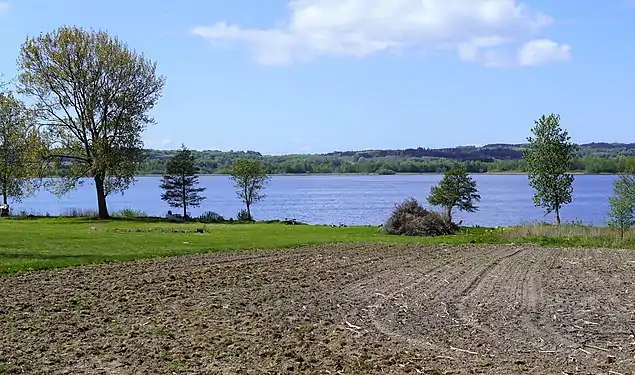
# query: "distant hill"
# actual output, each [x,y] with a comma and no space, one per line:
[491,152]
[596,157]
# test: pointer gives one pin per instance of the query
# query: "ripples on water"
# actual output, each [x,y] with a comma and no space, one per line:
[349,199]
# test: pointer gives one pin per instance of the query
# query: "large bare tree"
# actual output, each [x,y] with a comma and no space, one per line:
[93,95]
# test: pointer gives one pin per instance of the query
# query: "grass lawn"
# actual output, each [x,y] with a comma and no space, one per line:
[59,242]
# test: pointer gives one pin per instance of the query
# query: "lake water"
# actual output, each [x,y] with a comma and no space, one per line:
[347,199]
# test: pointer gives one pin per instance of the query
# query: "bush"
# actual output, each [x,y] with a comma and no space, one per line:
[211,217]
[410,219]
[244,216]
[80,212]
[386,172]
[130,213]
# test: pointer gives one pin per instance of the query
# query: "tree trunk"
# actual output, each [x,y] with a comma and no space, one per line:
[101,198]
[449,213]
[622,230]
[557,217]
[248,211]
[183,197]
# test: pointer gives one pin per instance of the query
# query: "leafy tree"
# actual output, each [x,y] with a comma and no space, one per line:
[180,181]
[250,176]
[549,156]
[21,148]
[456,189]
[93,94]
[622,204]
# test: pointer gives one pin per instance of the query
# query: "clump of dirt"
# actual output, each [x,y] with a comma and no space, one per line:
[348,309]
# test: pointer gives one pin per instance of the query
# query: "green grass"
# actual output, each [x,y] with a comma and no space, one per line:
[43,243]
[59,242]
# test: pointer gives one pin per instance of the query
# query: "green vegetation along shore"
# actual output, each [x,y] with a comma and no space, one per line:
[592,158]
[43,243]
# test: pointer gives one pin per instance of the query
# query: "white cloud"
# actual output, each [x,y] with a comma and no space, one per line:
[480,31]
[157,143]
[542,51]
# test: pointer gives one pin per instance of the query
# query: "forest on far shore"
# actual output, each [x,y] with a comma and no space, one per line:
[592,158]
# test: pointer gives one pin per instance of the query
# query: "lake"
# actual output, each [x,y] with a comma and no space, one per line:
[347,199]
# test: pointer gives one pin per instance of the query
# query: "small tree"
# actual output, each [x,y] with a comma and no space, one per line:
[456,189]
[250,176]
[549,156]
[622,204]
[93,94]
[180,181]
[21,148]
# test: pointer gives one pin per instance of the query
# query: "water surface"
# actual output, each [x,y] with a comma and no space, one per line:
[348,199]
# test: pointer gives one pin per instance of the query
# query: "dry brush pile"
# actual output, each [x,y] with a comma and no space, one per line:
[409,218]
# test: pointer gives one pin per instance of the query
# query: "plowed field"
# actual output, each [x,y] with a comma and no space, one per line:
[337,309]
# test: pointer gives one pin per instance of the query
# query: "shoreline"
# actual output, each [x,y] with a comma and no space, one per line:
[509,173]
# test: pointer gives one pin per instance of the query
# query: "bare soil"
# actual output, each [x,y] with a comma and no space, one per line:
[338,309]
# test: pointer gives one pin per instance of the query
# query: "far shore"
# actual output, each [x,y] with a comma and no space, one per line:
[510,173]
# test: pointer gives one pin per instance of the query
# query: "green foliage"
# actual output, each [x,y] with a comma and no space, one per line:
[211,217]
[409,218]
[500,158]
[244,216]
[385,172]
[21,149]
[456,189]
[622,204]
[180,181]
[131,213]
[94,94]
[549,156]
[250,177]
[80,212]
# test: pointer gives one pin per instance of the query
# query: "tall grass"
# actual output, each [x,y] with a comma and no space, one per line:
[130,213]
[571,234]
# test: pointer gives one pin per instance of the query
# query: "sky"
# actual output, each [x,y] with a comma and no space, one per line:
[314,76]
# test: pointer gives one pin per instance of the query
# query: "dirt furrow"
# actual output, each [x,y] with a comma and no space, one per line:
[421,312]
[354,309]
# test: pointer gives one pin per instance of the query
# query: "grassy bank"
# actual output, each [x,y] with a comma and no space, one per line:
[59,242]
[56,242]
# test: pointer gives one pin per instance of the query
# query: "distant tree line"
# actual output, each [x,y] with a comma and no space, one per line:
[588,160]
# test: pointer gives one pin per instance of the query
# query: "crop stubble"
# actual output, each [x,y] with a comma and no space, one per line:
[355,309]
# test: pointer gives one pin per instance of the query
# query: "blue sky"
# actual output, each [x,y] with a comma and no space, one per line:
[302,76]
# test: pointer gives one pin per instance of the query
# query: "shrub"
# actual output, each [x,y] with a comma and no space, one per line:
[385,172]
[243,215]
[211,217]
[80,212]
[130,213]
[22,215]
[410,219]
